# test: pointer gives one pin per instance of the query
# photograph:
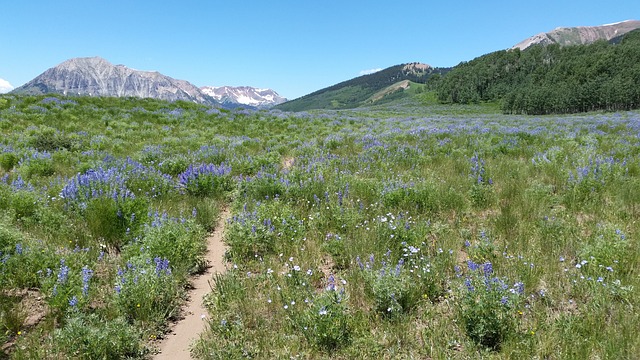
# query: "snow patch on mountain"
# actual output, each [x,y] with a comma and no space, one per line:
[244,96]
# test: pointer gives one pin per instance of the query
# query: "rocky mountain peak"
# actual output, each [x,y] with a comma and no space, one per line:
[580,35]
[96,76]
[247,96]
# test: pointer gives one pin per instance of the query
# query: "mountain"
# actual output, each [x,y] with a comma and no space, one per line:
[98,77]
[633,34]
[580,35]
[244,96]
[551,79]
[367,89]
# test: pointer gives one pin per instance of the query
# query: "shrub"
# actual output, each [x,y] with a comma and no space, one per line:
[38,163]
[181,242]
[9,236]
[111,219]
[109,207]
[325,321]
[24,203]
[146,290]
[49,139]
[263,186]
[397,288]
[206,180]
[174,165]
[87,336]
[488,306]
[8,160]
[147,181]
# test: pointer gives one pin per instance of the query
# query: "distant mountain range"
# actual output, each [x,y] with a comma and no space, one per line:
[580,35]
[391,83]
[401,81]
[246,96]
[95,76]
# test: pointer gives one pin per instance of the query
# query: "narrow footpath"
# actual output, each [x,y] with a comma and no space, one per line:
[176,345]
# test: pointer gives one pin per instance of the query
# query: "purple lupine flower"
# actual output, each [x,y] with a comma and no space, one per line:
[519,287]
[472,265]
[162,266]
[86,276]
[458,271]
[487,268]
[399,267]
[331,283]
[469,285]
[63,273]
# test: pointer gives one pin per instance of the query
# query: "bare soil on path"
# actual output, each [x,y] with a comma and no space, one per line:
[176,346]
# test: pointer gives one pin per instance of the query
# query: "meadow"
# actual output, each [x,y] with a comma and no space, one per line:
[390,232]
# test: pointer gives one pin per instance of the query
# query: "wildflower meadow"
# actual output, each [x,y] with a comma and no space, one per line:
[403,231]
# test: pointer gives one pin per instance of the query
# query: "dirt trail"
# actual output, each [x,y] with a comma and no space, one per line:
[287,163]
[176,345]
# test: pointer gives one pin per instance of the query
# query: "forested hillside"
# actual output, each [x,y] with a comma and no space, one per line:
[357,91]
[551,79]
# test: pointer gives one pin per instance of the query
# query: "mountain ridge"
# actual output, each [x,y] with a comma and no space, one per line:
[244,96]
[579,35]
[95,76]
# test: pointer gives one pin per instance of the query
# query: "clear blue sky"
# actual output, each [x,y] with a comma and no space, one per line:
[293,47]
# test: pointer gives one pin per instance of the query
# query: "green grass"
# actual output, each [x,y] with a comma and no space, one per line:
[399,231]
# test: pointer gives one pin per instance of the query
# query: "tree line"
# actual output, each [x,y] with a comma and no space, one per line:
[551,79]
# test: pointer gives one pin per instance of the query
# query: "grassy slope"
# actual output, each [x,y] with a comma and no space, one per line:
[355,92]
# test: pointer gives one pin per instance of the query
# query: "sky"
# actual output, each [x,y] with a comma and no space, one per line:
[291,46]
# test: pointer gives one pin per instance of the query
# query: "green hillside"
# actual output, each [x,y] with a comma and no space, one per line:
[551,79]
[362,90]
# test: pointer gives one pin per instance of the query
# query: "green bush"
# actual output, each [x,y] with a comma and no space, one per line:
[146,291]
[488,306]
[398,287]
[325,322]
[24,203]
[180,242]
[37,166]
[111,220]
[87,336]
[8,160]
